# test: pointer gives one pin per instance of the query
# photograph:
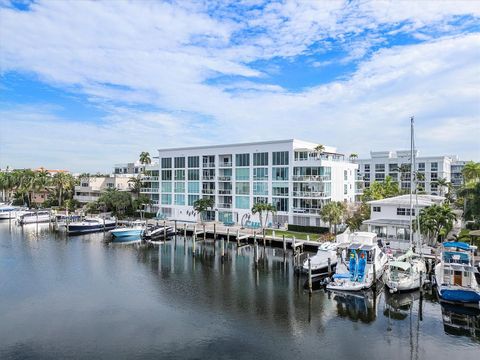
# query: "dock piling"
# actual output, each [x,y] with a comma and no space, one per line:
[263,235]
[194,238]
[184,232]
[309,275]
[228,235]
[238,238]
[204,233]
[214,232]
[223,250]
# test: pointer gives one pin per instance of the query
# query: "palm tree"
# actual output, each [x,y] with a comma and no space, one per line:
[471,172]
[333,213]
[202,205]
[353,156]
[263,208]
[136,184]
[441,183]
[39,181]
[435,219]
[319,149]
[62,182]
[145,158]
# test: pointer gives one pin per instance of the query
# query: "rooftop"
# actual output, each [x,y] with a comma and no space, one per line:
[423,200]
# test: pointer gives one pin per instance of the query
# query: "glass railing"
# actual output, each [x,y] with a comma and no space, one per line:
[208,177]
[311,194]
[225,164]
[208,165]
[149,190]
[225,191]
[149,178]
[311,178]
[208,191]
[224,178]
[306,210]
[224,206]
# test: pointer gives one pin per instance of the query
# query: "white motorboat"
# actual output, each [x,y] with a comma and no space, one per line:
[10,212]
[325,257]
[456,277]
[362,262]
[90,225]
[159,232]
[129,233]
[32,217]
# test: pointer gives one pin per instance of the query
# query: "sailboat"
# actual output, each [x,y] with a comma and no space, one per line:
[408,272]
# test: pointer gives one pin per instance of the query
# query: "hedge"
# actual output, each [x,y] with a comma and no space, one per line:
[308,229]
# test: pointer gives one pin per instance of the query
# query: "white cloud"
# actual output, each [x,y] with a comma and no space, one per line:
[163,54]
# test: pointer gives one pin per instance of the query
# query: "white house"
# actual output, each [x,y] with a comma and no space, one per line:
[390,218]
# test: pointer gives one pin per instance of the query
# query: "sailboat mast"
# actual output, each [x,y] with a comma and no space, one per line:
[412,163]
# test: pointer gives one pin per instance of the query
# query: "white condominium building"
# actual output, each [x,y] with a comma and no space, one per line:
[396,164]
[289,174]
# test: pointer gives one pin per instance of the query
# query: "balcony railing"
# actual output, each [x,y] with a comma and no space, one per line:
[311,177]
[150,178]
[225,191]
[208,177]
[225,164]
[260,178]
[224,178]
[149,190]
[224,206]
[306,211]
[320,194]
[208,165]
[208,191]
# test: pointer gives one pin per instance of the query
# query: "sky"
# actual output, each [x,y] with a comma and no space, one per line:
[87,84]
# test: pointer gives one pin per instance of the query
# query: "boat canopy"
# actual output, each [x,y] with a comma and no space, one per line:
[460,267]
[457,244]
[456,257]
[400,264]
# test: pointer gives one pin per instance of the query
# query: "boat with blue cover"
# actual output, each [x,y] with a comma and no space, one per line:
[456,277]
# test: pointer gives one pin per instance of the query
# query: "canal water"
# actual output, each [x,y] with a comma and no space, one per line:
[83,298]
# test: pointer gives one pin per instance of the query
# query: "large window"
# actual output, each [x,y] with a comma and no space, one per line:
[280,203]
[379,167]
[242,202]
[260,199]
[367,167]
[194,174]
[280,173]
[279,189]
[392,167]
[421,166]
[179,162]
[242,160]
[193,162]
[179,174]
[179,187]
[260,174]
[260,159]
[280,158]
[192,199]
[434,166]
[179,199]
[194,187]
[166,174]
[166,199]
[166,163]
[379,176]
[242,188]
[260,188]
[242,174]
[301,155]
[166,187]
[405,211]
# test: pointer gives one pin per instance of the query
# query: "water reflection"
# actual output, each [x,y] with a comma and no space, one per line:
[461,321]
[358,306]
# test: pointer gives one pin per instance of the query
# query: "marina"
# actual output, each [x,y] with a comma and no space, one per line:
[226,301]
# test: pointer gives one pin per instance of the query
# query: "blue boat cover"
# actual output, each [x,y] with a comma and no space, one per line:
[457,244]
[341,276]
[352,266]
[455,257]
[362,263]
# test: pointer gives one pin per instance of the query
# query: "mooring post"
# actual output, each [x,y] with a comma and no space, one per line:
[254,237]
[164,230]
[421,283]
[223,249]
[204,233]
[255,250]
[238,238]
[214,232]
[309,275]
[194,238]
[264,240]
[293,243]
[329,267]
[374,272]
[308,237]
[228,235]
[184,232]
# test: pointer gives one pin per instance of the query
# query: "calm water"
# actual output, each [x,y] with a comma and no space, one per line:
[83,298]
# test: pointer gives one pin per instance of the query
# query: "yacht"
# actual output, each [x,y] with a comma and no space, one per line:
[90,225]
[456,277]
[362,262]
[10,212]
[32,217]
[129,233]
[325,256]
[158,232]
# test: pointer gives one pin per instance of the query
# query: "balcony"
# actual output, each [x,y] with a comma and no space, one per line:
[208,177]
[149,190]
[313,194]
[306,211]
[208,165]
[225,191]
[225,206]
[208,191]
[260,178]
[225,165]
[149,178]
[311,177]
[224,178]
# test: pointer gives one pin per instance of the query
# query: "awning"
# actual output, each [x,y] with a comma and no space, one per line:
[456,244]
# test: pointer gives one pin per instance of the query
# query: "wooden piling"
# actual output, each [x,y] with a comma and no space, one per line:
[309,275]
[164,230]
[256,251]
[264,240]
[214,231]
[228,235]
[194,238]
[204,233]
[184,232]
[223,249]
[238,238]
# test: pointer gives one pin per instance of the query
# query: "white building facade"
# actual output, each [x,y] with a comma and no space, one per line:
[289,174]
[396,164]
[91,188]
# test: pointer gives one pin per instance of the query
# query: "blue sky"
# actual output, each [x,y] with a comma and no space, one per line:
[84,84]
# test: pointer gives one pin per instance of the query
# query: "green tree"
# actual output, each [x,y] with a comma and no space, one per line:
[117,201]
[442,183]
[136,184]
[471,198]
[434,220]
[64,183]
[333,213]
[353,156]
[320,149]
[355,220]
[263,209]
[471,172]
[145,158]
[381,190]
[202,205]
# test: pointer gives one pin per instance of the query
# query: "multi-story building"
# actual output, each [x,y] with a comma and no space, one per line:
[90,188]
[456,173]
[396,164]
[129,168]
[290,174]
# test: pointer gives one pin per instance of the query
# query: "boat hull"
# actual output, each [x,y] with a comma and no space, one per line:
[121,233]
[458,295]
[85,229]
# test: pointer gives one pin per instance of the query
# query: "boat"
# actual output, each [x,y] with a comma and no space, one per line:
[10,212]
[405,273]
[158,232]
[366,263]
[456,277]
[32,217]
[408,272]
[91,225]
[129,233]
[324,261]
